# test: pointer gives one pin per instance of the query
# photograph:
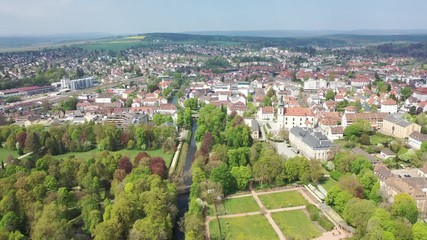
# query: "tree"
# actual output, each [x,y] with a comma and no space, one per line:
[364,139]
[9,222]
[356,212]
[188,119]
[207,144]
[330,95]
[405,206]
[338,198]
[316,170]
[222,175]
[268,168]
[129,102]
[50,225]
[351,184]
[267,101]
[32,142]
[406,92]
[419,231]
[158,166]
[125,164]
[424,146]
[242,175]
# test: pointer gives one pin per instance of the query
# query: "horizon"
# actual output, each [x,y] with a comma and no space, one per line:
[59,17]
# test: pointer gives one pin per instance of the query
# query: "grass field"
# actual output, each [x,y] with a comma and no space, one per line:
[250,227]
[379,138]
[283,199]
[236,205]
[296,225]
[4,153]
[130,153]
[328,183]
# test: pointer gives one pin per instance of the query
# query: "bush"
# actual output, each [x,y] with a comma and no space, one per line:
[313,211]
[325,223]
[335,175]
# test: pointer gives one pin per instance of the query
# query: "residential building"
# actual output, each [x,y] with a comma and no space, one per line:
[255,129]
[410,181]
[420,93]
[387,153]
[265,113]
[335,133]
[389,106]
[416,139]
[375,119]
[292,117]
[395,125]
[313,145]
[104,98]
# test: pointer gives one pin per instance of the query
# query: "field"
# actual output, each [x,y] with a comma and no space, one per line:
[296,225]
[130,153]
[116,44]
[236,205]
[282,200]
[328,183]
[250,227]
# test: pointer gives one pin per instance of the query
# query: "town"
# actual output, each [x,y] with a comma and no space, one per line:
[261,143]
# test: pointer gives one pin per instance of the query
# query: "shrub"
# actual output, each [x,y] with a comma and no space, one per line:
[313,211]
[335,175]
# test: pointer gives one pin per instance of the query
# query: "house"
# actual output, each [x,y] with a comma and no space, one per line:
[255,129]
[265,113]
[238,107]
[375,119]
[410,181]
[389,106]
[395,125]
[292,117]
[360,82]
[334,133]
[313,145]
[387,153]
[104,98]
[420,93]
[416,139]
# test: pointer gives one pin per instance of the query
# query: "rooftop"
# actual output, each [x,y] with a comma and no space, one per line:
[315,140]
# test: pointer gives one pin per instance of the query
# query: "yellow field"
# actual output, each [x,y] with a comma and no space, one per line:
[136,37]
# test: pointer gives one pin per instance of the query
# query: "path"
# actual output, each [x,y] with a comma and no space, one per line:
[175,158]
[25,155]
[267,213]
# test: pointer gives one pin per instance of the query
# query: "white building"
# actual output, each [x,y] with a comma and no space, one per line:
[416,139]
[295,117]
[77,84]
[389,106]
[312,84]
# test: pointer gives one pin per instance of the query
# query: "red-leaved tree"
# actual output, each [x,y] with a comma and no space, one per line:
[20,138]
[158,166]
[207,144]
[125,164]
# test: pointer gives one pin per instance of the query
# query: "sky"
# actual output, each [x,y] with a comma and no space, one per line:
[42,17]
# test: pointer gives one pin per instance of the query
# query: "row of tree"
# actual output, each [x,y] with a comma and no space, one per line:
[83,137]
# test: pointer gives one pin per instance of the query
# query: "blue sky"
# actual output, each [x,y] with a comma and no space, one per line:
[139,16]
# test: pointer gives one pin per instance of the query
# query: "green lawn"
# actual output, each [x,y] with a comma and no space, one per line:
[4,153]
[250,227]
[379,138]
[328,183]
[130,153]
[296,225]
[283,199]
[236,205]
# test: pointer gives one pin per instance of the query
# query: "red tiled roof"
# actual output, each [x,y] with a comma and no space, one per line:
[297,111]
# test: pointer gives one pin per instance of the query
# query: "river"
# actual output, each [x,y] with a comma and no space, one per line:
[182,201]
